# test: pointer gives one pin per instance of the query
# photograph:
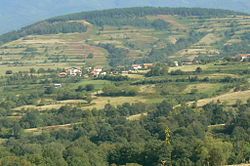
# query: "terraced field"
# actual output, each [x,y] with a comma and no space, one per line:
[73,48]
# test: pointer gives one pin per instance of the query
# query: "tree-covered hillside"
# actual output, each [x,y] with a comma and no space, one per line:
[30,11]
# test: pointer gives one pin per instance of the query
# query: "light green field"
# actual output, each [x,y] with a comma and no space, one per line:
[189,67]
[206,88]
[227,98]
[4,68]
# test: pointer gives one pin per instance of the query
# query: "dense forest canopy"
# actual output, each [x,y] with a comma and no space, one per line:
[141,12]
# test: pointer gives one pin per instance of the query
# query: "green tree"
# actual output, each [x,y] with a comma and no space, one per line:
[32,70]
[89,87]
[49,90]
[14,161]
[17,130]
[198,70]
[158,70]
[215,152]
[53,154]
[90,56]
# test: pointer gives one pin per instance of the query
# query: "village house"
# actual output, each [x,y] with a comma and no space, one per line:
[136,67]
[244,57]
[103,73]
[96,71]
[74,71]
[148,65]
[176,63]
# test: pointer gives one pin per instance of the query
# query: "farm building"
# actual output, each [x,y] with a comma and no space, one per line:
[103,73]
[96,71]
[136,67]
[74,71]
[244,56]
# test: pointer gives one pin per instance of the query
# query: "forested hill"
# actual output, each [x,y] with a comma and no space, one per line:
[31,11]
[118,37]
[116,17]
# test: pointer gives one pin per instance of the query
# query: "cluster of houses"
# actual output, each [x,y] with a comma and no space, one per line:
[78,71]
[142,66]
[71,71]
[99,71]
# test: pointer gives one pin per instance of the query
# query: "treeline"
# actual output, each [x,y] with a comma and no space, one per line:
[43,28]
[114,78]
[192,78]
[95,16]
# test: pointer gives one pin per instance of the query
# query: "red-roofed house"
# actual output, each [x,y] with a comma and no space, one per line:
[244,56]
[96,71]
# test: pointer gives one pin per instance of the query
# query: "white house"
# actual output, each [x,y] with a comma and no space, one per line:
[176,63]
[74,71]
[103,73]
[96,72]
[137,67]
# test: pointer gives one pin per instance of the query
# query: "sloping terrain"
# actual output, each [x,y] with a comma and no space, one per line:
[133,35]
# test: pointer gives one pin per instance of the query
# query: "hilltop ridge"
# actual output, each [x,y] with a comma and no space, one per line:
[30,11]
